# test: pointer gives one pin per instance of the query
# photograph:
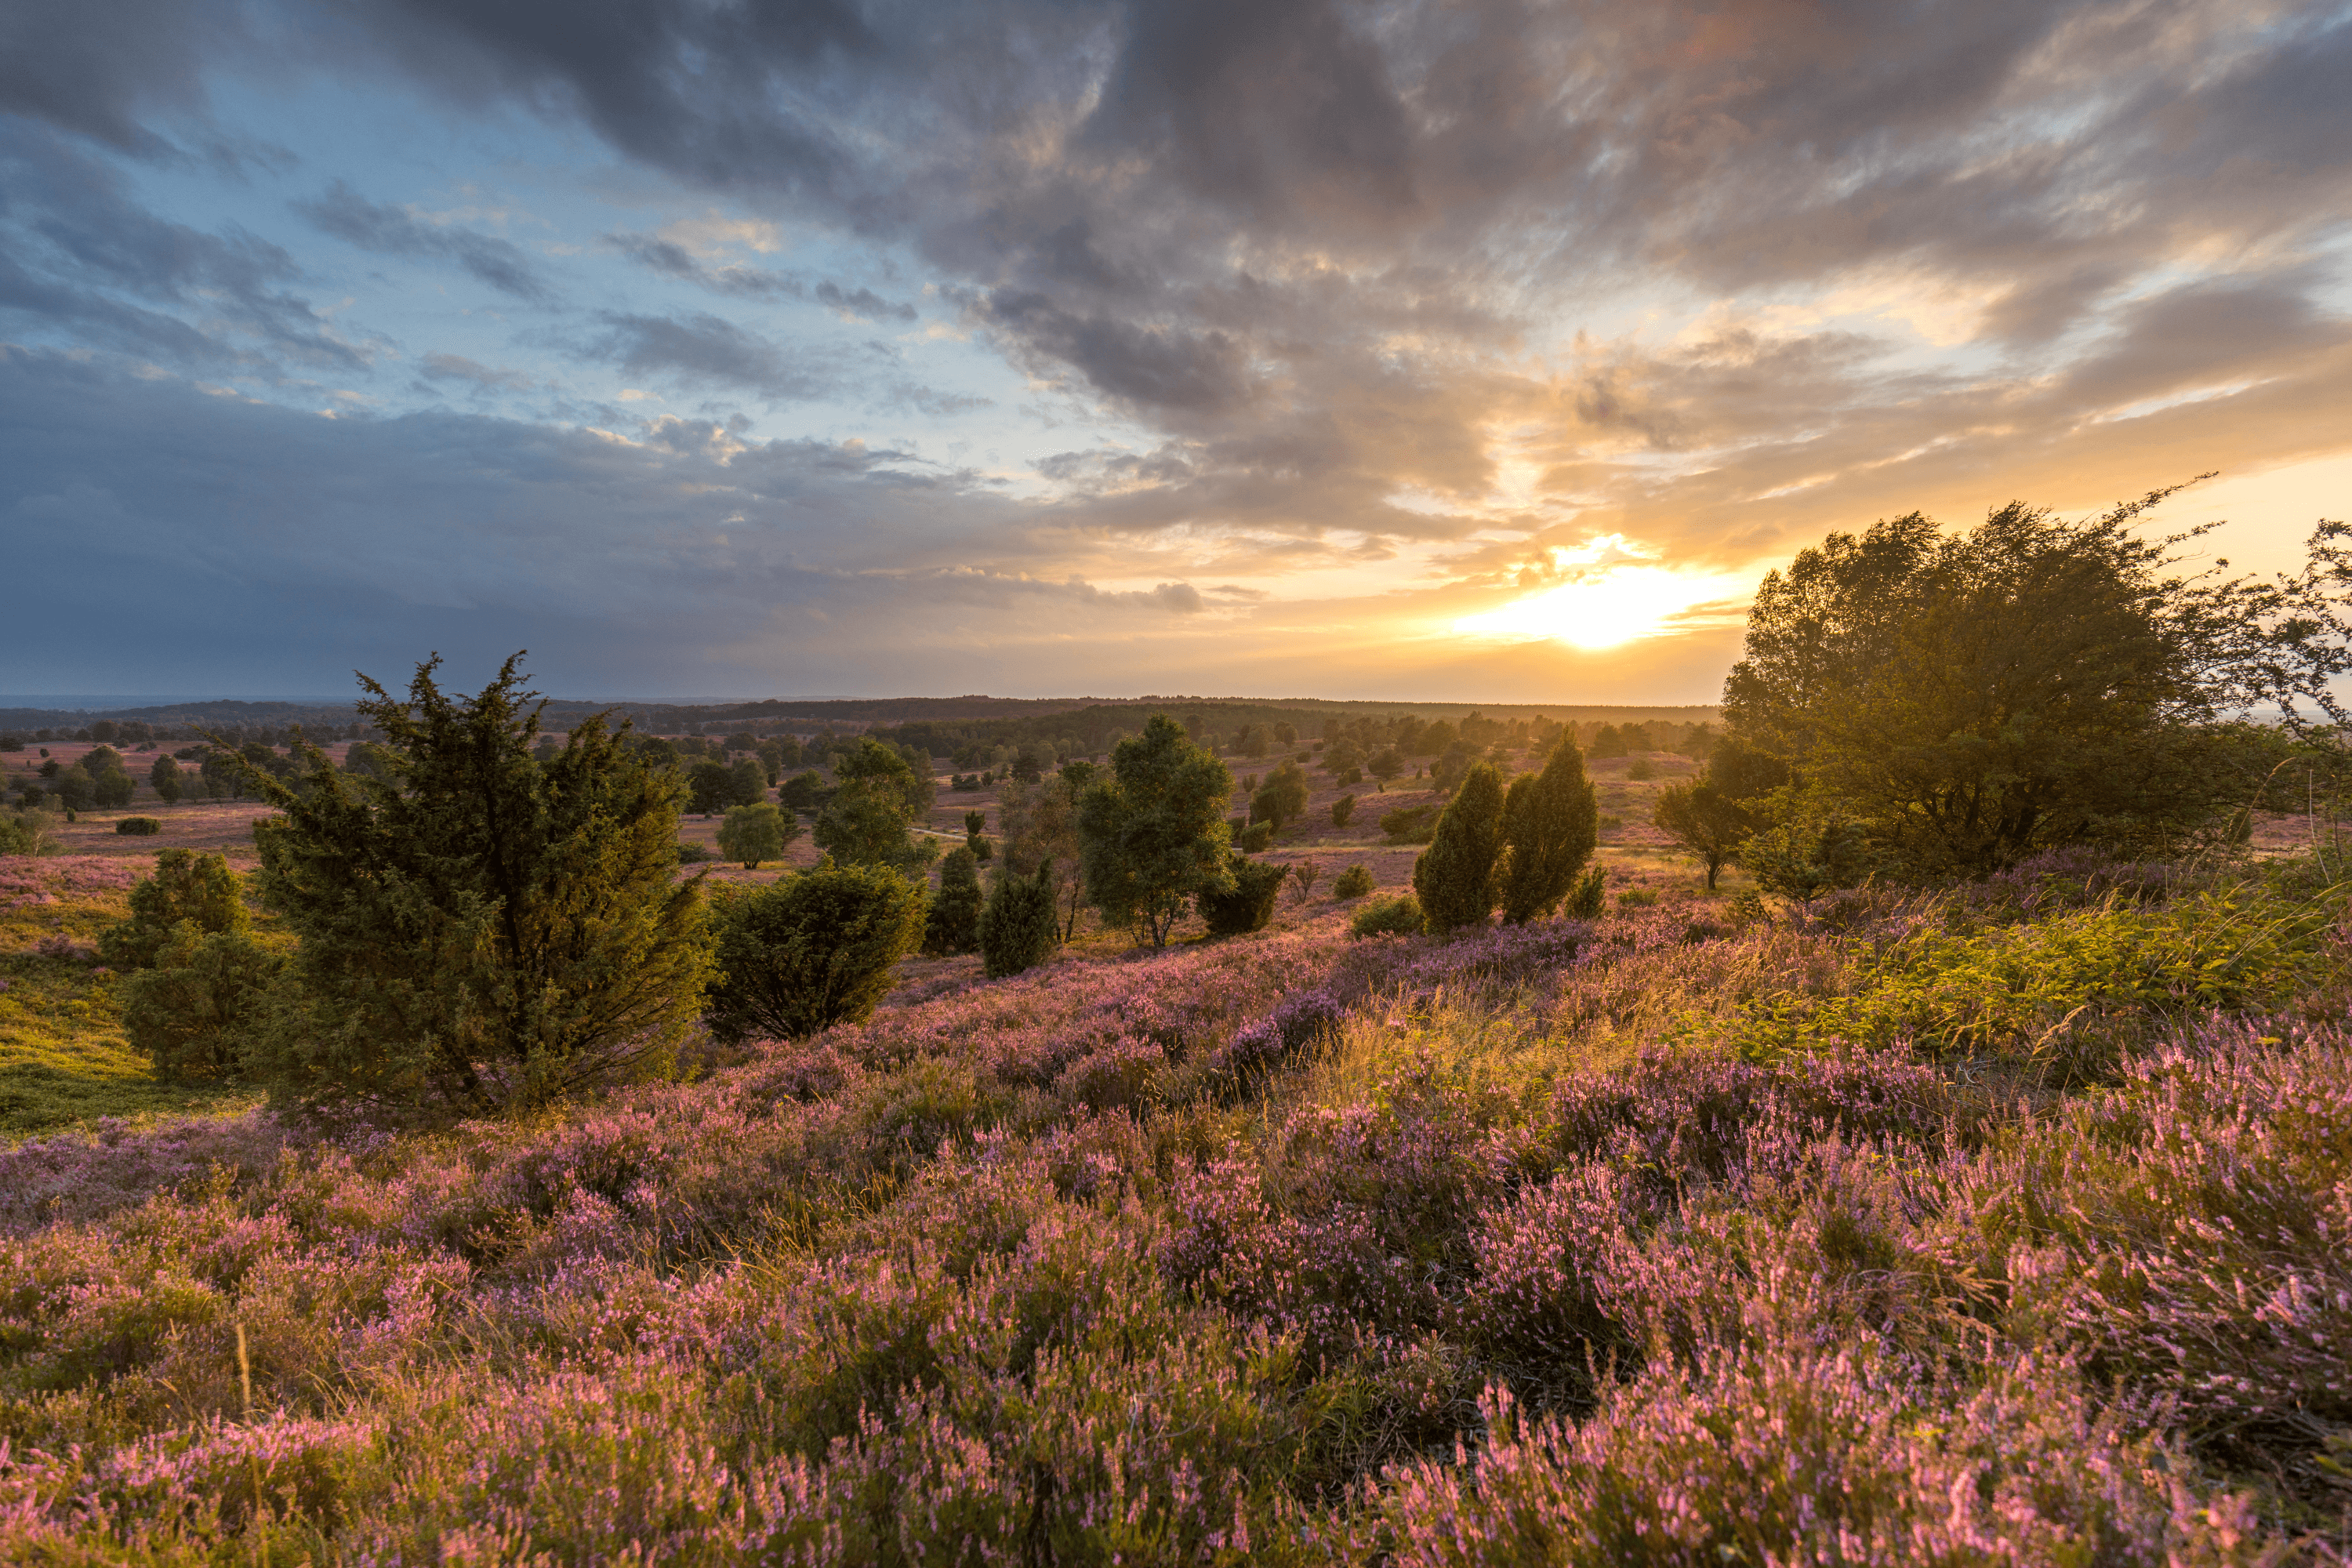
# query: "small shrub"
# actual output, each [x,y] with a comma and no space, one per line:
[1399,916]
[693,854]
[23,833]
[1018,930]
[1353,883]
[1642,770]
[1255,838]
[1583,901]
[1410,824]
[1248,904]
[138,826]
[815,951]
[953,925]
[194,1011]
[1303,878]
[1637,898]
[1342,809]
[188,888]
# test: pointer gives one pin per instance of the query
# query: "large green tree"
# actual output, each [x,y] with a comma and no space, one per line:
[870,819]
[479,930]
[1153,834]
[1551,823]
[1969,698]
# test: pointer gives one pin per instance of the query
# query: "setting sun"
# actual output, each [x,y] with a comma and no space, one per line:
[1621,605]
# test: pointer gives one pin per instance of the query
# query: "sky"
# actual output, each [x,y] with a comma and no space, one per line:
[1461,351]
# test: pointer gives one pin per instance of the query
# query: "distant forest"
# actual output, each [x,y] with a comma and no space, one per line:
[935,726]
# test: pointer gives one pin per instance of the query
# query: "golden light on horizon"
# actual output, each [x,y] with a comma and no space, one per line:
[1622,605]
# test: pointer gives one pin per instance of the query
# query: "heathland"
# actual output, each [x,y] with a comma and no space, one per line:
[1963,1176]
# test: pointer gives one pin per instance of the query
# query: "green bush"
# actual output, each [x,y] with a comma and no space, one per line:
[1455,877]
[693,854]
[1583,901]
[811,951]
[139,827]
[954,924]
[1353,883]
[1342,809]
[23,833]
[1551,822]
[757,832]
[1399,916]
[1409,823]
[188,887]
[1248,904]
[1018,930]
[193,1012]
[1255,838]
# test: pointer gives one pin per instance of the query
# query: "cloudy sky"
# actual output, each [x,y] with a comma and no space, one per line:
[1466,350]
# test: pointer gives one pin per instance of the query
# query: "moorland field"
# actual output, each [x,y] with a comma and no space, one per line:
[437,1156]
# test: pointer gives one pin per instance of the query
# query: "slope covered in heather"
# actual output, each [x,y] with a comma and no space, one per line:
[2011,1223]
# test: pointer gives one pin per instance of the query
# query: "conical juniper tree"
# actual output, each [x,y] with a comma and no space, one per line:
[480,930]
[1455,877]
[1551,823]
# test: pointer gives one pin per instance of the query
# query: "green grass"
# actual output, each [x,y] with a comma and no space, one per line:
[63,1058]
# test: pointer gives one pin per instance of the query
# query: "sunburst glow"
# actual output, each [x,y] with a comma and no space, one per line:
[1620,605]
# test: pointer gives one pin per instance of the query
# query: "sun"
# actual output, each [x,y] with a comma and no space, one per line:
[1621,605]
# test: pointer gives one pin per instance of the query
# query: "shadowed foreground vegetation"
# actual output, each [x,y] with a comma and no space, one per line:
[2006,1224]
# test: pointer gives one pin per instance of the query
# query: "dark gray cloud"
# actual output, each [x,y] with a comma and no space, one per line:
[76,249]
[704,351]
[386,230]
[102,71]
[675,260]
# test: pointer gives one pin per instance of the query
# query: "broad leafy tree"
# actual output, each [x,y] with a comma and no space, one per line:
[164,776]
[1282,799]
[1966,700]
[870,819]
[478,931]
[1704,821]
[1551,823]
[761,831]
[1154,833]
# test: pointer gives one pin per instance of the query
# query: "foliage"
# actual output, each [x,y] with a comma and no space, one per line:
[1968,700]
[752,833]
[478,931]
[692,854]
[75,789]
[138,826]
[952,924]
[1803,858]
[1153,834]
[1282,799]
[801,791]
[1353,883]
[188,887]
[715,786]
[1584,901]
[112,789]
[1253,838]
[1385,764]
[1410,824]
[1286,1249]
[1342,809]
[23,833]
[1247,903]
[1040,823]
[812,951]
[1398,916]
[193,1011]
[867,822]
[1704,821]
[1454,878]
[1304,875]
[1551,823]
[1018,929]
